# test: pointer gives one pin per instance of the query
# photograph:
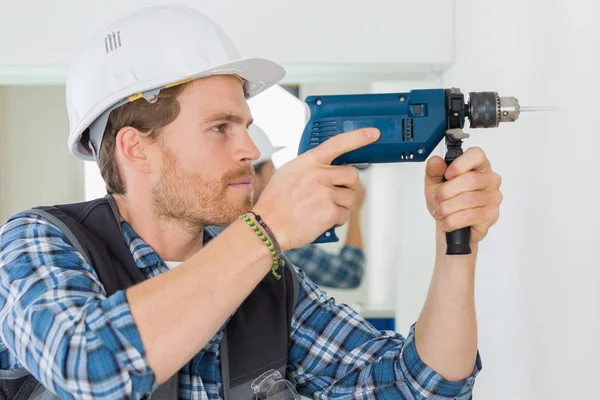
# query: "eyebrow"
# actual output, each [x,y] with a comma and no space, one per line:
[229,117]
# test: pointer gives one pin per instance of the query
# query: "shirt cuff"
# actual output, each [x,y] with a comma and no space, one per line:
[427,380]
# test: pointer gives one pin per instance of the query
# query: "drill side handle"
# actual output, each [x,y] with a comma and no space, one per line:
[459,241]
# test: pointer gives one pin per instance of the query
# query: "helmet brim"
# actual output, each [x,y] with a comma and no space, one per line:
[258,75]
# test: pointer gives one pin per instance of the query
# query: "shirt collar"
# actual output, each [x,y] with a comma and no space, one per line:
[143,254]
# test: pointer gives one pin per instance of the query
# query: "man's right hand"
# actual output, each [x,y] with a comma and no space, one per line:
[308,195]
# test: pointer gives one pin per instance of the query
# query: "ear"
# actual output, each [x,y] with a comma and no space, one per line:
[133,148]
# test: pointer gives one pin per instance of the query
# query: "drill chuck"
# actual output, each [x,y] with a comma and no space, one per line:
[487,109]
[509,109]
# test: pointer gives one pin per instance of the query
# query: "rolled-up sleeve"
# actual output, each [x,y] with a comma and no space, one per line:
[57,321]
[335,353]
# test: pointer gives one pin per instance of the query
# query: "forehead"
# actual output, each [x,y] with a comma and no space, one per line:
[215,93]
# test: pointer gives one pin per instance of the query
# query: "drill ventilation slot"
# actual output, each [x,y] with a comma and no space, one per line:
[321,131]
[408,129]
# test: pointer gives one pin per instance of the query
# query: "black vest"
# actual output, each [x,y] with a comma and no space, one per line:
[256,338]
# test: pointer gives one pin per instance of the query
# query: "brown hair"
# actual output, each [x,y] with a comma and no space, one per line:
[142,115]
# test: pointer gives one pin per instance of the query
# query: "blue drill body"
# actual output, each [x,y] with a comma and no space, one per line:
[412,124]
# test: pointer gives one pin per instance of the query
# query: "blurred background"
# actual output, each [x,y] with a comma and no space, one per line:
[538,276]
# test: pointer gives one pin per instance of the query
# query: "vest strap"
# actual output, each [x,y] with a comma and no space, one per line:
[168,390]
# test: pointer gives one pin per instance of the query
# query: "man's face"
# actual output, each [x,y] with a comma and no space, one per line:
[204,174]
[262,178]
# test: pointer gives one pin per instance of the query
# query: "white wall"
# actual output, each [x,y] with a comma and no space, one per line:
[35,165]
[328,38]
[538,274]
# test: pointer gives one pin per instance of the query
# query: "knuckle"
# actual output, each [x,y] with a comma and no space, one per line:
[495,215]
[443,209]
[478,152]
[499,197]
[497,179]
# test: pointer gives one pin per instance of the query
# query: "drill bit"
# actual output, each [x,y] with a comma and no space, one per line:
[536,109]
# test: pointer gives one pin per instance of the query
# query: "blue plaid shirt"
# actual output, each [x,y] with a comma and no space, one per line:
[56,321]
[343,270]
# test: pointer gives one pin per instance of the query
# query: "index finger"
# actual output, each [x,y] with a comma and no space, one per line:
[343,143]
[474,159]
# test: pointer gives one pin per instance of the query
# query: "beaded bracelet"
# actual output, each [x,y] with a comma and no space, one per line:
[270,234]
[267,242]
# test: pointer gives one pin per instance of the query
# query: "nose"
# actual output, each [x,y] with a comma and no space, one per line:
[246,150]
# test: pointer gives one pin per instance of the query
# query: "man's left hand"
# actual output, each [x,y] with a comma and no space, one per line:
[470,197]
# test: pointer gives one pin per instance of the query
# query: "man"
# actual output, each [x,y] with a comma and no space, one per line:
[214,316]
[343,270]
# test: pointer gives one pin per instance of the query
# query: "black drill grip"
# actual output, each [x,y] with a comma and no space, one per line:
[459,241]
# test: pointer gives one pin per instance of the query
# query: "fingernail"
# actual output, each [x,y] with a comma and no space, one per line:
[437,196]
[372,133]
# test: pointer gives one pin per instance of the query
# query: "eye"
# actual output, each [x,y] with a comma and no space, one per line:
[221,128]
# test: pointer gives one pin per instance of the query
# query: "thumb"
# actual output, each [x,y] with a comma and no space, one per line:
[434,171]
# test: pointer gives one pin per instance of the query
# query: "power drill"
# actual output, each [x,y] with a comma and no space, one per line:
[412,124]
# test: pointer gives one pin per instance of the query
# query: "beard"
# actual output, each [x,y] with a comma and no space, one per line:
[193,202]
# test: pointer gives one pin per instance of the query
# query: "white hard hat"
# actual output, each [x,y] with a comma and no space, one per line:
[147,51]
[261,140]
